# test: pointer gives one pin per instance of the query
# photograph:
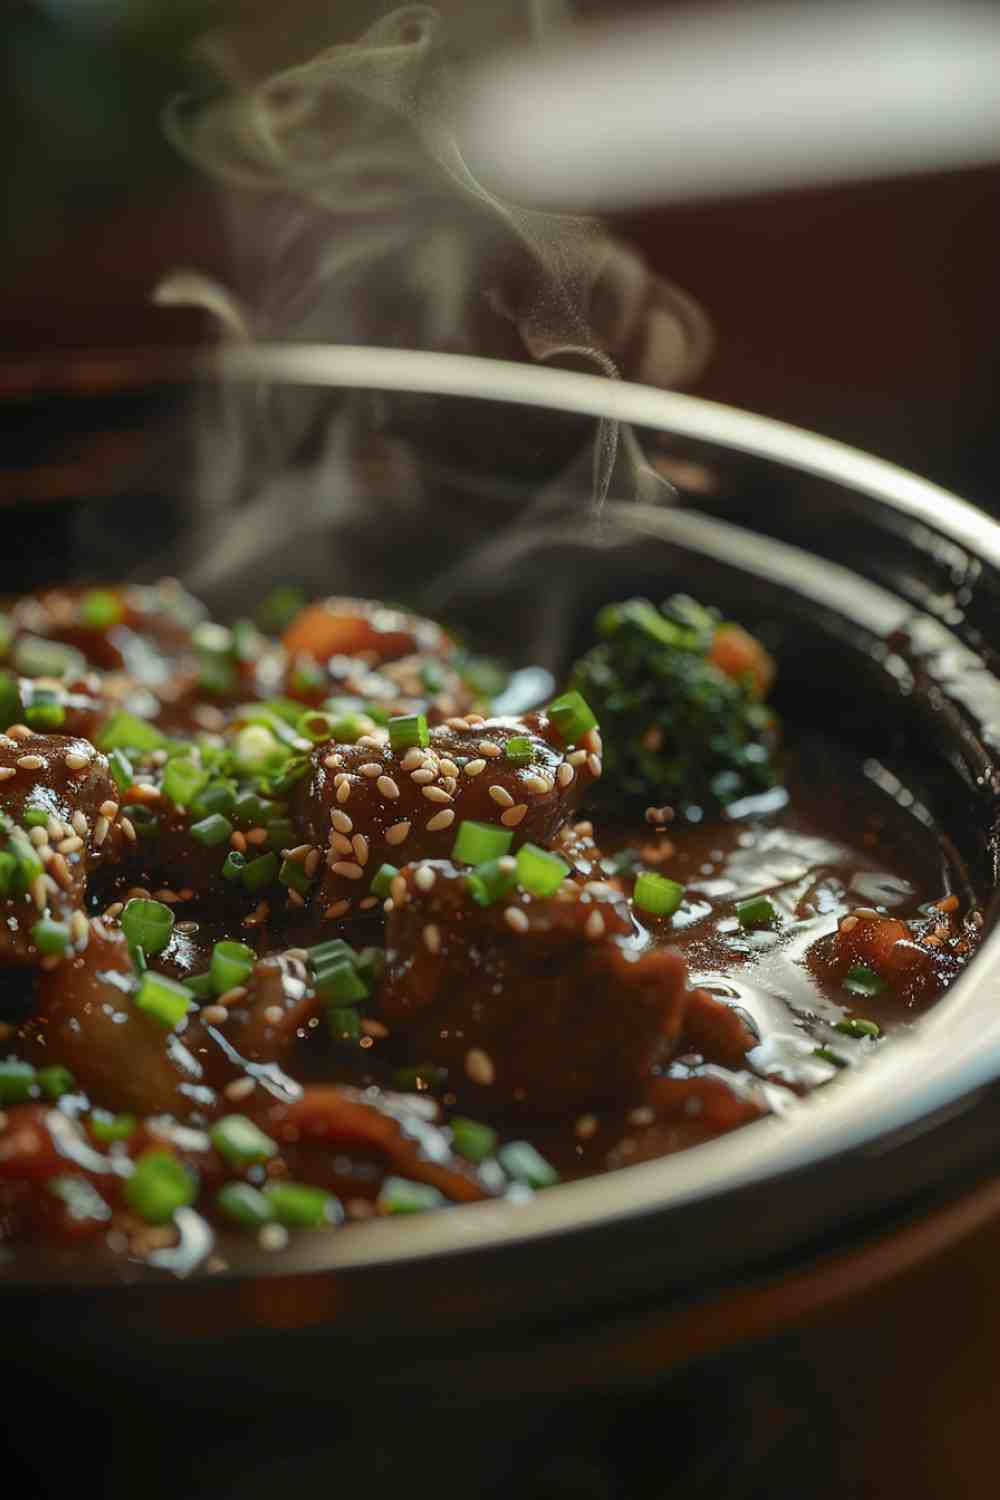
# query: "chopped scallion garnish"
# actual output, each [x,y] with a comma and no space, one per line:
[472,1140]
[477,842]
[244,1204]
[856,1026]
[159,1186]
[572,716]
[492,880]
[861,980]
[519,749]
[164,999]
[298,1206]
[56,1081]
[407,730]
[51,938]
[758,912]
[398,1195]
[384,876]
[657,894]
[100,609]
[538,871]
[231,965]
[17,1081]
[524,1164]
[147,925]
[240,1141]
[213,830]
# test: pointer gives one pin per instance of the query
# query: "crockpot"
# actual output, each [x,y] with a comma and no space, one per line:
[458,485]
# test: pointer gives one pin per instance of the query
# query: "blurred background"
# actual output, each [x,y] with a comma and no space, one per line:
[865,310]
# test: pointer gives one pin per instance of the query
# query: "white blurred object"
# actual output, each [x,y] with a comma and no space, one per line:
[736,100]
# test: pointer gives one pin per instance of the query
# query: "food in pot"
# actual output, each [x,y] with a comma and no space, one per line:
[296,931]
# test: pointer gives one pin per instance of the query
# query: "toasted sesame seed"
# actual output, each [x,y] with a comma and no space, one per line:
[865,911]
[360,846]
[490,749]
[432,938]
[240,1088]
[33,762]
[423,776]
[333,761]
[6,772]
[501,796]
[659,815]
[341,821]
[38,836]
[272,1237]
[311,864]
[129,831]
[298,854]
[474,719]
[375,740]
[343,792]
[341,843]
[214,1015]
[565,774]
[479,1066]
[474,767]
[70,845]
[457,723]
[108,810]
[374,1028]
[449,768]
[516,918]
[167,895]
[397,888]
[74,760]
[18,732]
[114,910]
[577,757]
[79,929]
[599,889]
[514,815]
[39,892]
[540,784]
[371,768]
[594,765]
[848,924]
[413,758]
[368,903]
[80,823]
[60,870]
[388,788]
[443,819]
[274,1015]
[585,1127]
[397,832]
[436,794]
[424,878]
[336,910]
[348,869]
[594,925]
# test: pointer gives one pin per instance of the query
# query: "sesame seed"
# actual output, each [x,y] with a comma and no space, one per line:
[343,791]
[479,1066]
[167,895]
[374,1028]
[432,938]
[397,888]
[423,775]
[39,892]
[311,864]
[413,758]
[341,843]
[214,1015]
[540,784]
[298,854]
[594,925]
[60,870]
[336,910]
[489,749]
[865,911]
[38,836]
[114,910]
[34,762]
[128,830]
[449,768]
[599,889]
[397,833]
[516,918]
[371,768]
[594,765]
[565,774]
[333,761]
[274,1015]
[6,772]
[70,845]
[443,819]
[375,740]
[513,816]
[424,878]
[18,732]
[474,767]
[360,846]
[368,903]
[457,723]
[576,757]
[643,1115]
[502,796]
[585,1127]
[436,794]
[348,869]
[109,810]
[233,996]
[272,1237]
[238,841]
[341,822]
[450,784]
[848,924]
[80,824]
[79,929]
[74,760]
[388,788]
[187,927]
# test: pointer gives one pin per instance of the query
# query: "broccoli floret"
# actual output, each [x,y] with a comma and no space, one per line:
[678,695]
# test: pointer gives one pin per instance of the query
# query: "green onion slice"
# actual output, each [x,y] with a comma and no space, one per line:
[657,894]
[407,730]
[240,1141]
[539,872]
[492,881]
[164,999]
[147,925]
[231,965]
[398,1195]
[159,1186]
[758,912]
[477,842]
[861,980]
[572,716]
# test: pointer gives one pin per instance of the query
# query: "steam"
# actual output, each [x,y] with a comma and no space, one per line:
[357,220]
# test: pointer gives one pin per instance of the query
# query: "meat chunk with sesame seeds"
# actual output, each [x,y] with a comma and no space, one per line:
[52,791]
[535,1006]
[369,805]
